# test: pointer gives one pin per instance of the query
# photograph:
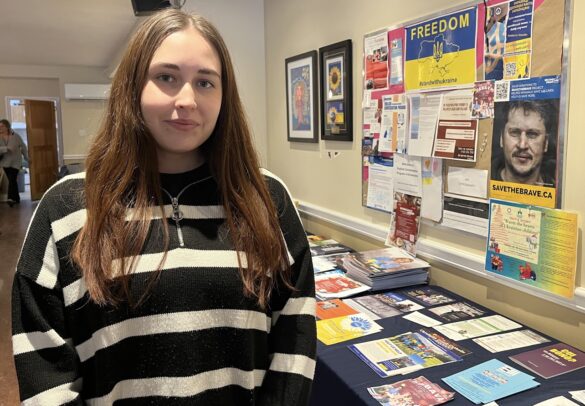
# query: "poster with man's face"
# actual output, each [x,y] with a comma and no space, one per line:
[524,144]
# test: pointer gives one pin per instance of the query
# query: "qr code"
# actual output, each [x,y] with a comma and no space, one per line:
[502,91]
[510,69]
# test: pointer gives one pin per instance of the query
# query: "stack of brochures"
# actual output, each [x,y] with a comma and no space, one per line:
[404,353]
[490,381]
[335,284]
[386,268]
[325,253]
[325,246]
[324,263]
[418,391]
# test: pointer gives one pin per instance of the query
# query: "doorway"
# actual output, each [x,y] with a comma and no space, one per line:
[45,145]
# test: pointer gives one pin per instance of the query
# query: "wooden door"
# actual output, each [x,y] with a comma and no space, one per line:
[42,145]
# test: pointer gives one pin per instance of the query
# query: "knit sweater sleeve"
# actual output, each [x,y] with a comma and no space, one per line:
[46,362]
[23,148]
[292,338]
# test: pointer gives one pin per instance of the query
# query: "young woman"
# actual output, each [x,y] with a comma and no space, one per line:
[12,150]
[174,271]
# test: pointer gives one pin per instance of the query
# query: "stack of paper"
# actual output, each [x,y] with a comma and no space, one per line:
[417,391]
[324,263]
[490,381]
[386,268]
[335,284]
[324,246]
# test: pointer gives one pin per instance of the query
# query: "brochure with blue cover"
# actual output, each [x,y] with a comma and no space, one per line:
[490,381]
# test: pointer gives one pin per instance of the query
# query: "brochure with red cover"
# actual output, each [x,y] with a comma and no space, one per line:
[418,391]
[334,284]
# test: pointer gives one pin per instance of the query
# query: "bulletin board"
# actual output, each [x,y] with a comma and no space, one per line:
[463,106]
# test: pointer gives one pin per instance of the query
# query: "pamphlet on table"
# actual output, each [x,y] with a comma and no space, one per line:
[402,354]
[490,381]
[552,360]
[418,391]
[461,330]
[510,341]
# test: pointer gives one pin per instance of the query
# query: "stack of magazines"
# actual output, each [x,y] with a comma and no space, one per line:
[325,246]
[335,284]
[386,268]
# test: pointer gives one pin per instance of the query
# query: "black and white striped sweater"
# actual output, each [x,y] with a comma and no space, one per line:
[195,341]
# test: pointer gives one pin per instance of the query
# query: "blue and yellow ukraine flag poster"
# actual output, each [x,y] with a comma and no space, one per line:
[441,52]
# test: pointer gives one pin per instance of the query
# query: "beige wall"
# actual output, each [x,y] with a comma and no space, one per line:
[26,88]
[241,24]
[335,184]
[80,119]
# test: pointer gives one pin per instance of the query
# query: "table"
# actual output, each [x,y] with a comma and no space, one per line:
[341,378]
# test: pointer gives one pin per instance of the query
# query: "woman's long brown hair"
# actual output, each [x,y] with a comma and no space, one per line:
[120,174]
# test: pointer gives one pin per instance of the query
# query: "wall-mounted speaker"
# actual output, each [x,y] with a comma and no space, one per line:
[147,7]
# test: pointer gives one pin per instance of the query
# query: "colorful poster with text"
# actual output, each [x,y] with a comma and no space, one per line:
[534,245]
[441,52]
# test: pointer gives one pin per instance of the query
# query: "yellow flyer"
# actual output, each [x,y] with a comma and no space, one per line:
[517,66]
[534,245]
[339,329]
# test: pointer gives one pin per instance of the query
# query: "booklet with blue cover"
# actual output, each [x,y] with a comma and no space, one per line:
[490,381]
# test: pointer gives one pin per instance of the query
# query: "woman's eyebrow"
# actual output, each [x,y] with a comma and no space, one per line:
[166,65]
[204,71]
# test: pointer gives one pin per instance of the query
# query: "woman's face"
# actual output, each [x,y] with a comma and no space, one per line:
[181,99]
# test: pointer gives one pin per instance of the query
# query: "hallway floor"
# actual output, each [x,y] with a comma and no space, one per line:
[13,224]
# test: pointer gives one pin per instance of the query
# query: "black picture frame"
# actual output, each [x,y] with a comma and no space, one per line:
[302,115]
[335,67]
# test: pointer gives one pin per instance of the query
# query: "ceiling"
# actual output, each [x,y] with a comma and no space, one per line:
[64,32]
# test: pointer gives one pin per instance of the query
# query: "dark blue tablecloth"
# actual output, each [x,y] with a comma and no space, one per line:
[341,378]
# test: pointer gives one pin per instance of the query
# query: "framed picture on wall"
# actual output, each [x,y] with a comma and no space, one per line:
[301,97]
[336,94]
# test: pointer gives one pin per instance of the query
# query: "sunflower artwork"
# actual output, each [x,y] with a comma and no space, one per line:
[335,90]
[335,78]
[335,116]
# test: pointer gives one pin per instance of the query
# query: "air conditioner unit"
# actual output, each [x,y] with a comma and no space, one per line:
[83,91]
